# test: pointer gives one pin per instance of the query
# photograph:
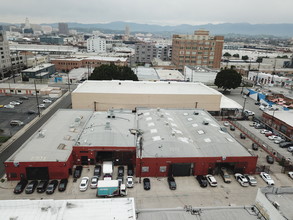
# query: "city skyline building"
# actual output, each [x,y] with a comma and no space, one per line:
[199,49]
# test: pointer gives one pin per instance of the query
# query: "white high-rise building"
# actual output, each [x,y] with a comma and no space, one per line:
[5,61]
[96,44]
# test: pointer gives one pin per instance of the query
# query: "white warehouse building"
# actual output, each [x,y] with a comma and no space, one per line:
[96,44]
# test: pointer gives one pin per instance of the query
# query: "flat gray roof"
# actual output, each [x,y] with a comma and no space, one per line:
[106,209]
[103,131]
[285,116]
[144,87]
[219,213]
[38,68]
[54,140]
[181,133]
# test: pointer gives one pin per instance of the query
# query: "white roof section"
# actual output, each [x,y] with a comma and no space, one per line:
[38,68]
[108,132]
[169,75]
[79,73]
[54,140]
[114,59]
[42,48]
[227,103]
[285,116]
[146,74]
[143,87]
[219,213]
[106,209]
[181,133]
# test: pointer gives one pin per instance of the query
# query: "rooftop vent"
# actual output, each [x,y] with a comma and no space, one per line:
[205,122]
[107,126]
[41,134]
[111,114]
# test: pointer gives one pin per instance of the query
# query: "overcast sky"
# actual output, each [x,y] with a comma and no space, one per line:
[163,12]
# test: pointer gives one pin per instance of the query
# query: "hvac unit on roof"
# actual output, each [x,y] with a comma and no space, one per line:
[41,134]
[107,126]
[205,122]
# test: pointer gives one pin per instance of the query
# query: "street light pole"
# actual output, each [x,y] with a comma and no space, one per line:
[37,98]
[244,105]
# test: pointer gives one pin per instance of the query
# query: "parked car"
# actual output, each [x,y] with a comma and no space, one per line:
[84,184]
[232,128]
[264,131]
[20,186]
[267,178]
[129,181]
[52,186]
[254,146]
[30,188]
[202,180]
[42,106]
[120,179]
[248,112]
[251,179]
[23,98]
[269,133]
[42,186]
[242,136]
[273,137]
[211,180]
[14,103]
[62,185]
[279,140]
[258,126]
[97,170]
[270,159]
[47,101]
[257,103]
[121,171]
[77,172]
[286,144]
[252,124]
[226,124]
[290,174]
[9,106]
[225,175]
[172,183]
[146,184]
[16,123]
[31,112]
[241,179]
[130,170]
[94,182]
[290,149]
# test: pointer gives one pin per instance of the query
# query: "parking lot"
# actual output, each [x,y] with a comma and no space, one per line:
[25,112]
[188,191]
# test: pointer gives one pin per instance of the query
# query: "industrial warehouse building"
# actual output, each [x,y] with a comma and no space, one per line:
[104,95]
[157,142]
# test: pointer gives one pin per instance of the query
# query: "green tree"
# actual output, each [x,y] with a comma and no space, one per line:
[228,79]
[113,72]
[227,54]
[244,57]
[236,55]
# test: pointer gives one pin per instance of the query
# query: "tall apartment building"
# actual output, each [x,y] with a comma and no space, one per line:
[5,61]
[199,49]
[146,52]
[96,44]
[63,28]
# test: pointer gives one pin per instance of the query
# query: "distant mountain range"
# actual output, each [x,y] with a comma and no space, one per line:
[280,30]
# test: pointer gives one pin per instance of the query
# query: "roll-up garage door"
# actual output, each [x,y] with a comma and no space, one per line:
[37,173]
[180,169]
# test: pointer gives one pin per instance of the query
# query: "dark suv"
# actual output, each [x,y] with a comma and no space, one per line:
[202,180]
[172,183]
[77,172]
[52,186]
[42,186]
[97,170]
[121,171]
[20,186]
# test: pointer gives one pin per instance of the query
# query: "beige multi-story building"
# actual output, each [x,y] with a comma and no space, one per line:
[5,61]
[199,49]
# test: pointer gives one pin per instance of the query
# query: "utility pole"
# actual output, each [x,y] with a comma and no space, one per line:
[37,98]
